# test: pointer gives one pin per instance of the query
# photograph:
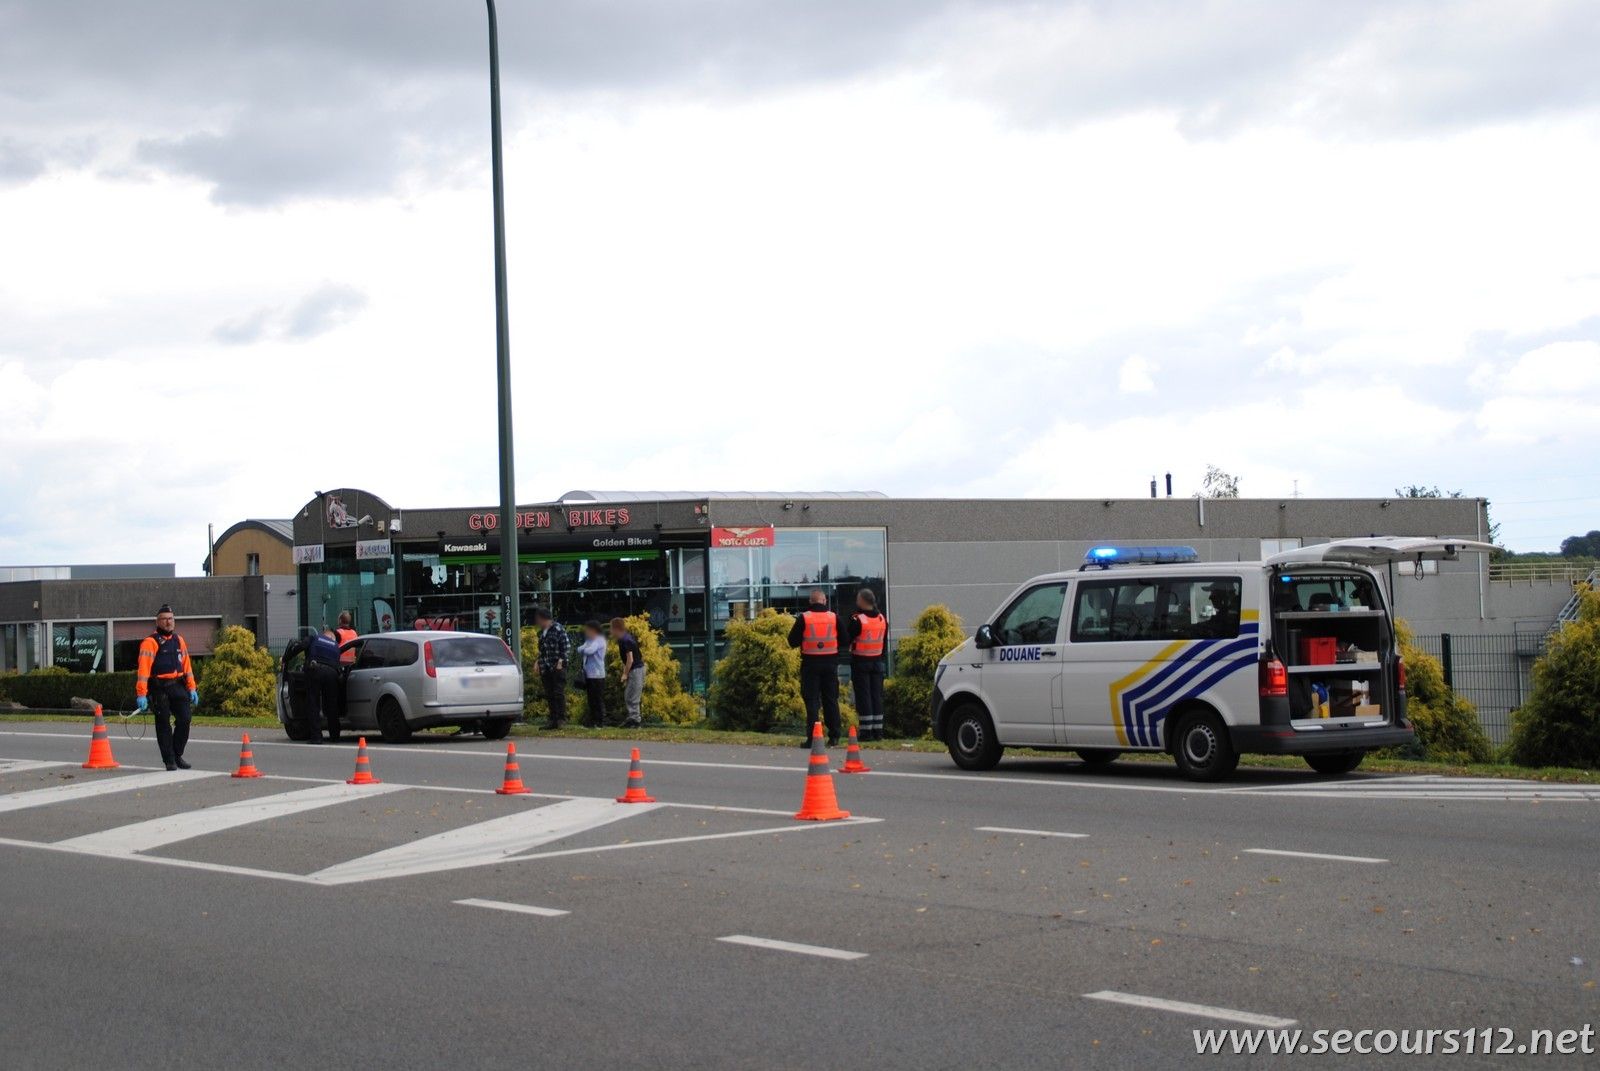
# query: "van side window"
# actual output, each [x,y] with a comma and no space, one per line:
[1033,618]
[1157,608]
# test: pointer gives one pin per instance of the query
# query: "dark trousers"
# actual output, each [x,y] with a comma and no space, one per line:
[322,696]
[555,694]
[819,686]
[594,689]
[866,674]
[170,702]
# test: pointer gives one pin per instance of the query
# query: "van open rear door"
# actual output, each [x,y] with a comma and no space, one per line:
[1382,550]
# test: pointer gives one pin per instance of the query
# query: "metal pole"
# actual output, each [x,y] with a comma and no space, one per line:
[510,607]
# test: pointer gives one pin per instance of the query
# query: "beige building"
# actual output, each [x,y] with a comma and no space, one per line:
[254,548]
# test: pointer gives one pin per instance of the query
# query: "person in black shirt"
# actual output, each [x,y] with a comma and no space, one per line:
[632,669]
[322,686]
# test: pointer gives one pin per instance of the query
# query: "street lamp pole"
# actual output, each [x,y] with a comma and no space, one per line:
[510,606]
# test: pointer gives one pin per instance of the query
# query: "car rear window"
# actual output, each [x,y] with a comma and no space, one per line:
[470,651]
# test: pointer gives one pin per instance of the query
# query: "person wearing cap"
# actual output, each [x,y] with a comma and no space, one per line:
[1223,621]
[164,682]
[868,633]
[554,646]
[816,633]
[345,633]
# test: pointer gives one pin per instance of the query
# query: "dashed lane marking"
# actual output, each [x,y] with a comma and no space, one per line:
[1030,832]
[790,946]
[1183,1007]
[521,909]
[1315,855]
[78,790]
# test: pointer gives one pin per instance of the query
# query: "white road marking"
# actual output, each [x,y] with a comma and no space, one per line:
[503,905]
[789,946]
[1182,1007]
[144,836]
[797,827]
[159,860]
[78,790]
[1029,832]
[485,842]
[1315,855]
[21,765]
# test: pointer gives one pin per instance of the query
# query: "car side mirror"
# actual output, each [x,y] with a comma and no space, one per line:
[984,639]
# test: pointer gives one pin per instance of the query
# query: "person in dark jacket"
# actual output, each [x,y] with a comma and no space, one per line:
[554,646]
[816,633]
[868,633]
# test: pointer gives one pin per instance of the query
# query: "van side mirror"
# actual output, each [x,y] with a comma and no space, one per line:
[984,639]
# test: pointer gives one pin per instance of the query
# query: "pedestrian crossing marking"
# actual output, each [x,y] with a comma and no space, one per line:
[22,765]
[158,832]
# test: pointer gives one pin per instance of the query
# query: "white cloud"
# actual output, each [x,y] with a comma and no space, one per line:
[1137,376]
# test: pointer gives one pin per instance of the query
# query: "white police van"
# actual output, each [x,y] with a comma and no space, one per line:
[1150,649]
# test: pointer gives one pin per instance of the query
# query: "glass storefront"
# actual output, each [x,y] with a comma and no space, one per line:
[364,588]
[840,561]
[79,646]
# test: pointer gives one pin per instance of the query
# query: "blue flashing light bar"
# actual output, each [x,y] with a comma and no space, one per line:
[1105,557]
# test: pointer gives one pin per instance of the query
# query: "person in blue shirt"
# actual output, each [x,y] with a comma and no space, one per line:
[322,686]
[593,650]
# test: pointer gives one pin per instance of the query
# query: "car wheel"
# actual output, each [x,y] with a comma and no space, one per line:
[497,729]
[1203,748]
[1334,763]
[297,730]
[971,739]
[1096,757]
[391,722]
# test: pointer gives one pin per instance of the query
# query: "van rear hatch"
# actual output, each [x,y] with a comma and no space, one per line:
[1382,550]
[474,670]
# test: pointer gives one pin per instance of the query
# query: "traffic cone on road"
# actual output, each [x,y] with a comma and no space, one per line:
[819,803]
[247,760]
[513,786]
[363,774]
[100,745]
[852,757]
[635,792]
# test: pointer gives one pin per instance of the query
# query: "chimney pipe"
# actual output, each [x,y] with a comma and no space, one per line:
[1169,485]
[1152,487]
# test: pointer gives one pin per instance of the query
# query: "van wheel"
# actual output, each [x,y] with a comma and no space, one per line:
[497,729]
[1097,757]
[1203,749]
[1334,763]
[971,739]
[391,722]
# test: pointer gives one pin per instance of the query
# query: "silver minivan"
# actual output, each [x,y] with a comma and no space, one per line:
[398,682]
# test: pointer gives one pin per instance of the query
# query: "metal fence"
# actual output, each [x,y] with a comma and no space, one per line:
[1493,672]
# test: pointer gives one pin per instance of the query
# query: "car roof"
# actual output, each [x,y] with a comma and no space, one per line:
[420,635]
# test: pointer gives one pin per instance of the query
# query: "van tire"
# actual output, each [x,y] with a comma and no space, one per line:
[1203,748]
[971,738]
[391,722]
[1335,763]
[1097,757]
[495,728]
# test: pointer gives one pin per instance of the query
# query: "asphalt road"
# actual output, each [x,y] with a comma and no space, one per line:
[181,920]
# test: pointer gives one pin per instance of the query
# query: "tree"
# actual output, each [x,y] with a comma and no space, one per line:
[1447,725]
[1219,484]
[1559,725]
[664,698]
[1581,546]
[238,681]
[909,693]
[757,683]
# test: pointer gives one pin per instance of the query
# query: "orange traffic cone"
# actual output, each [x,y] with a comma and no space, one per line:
[819,803]
[852,757]
[100,745]
[635,793]
[363,774]
[513,786]
[247,760]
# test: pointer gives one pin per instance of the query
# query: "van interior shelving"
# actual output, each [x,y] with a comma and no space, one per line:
[1331,635]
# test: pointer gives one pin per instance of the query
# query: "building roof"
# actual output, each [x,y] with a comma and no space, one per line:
[710,496]
[283,529]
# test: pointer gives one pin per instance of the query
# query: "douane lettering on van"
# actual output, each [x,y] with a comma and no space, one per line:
[1019,654]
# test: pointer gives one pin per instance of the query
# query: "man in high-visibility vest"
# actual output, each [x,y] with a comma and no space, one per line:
[816,633]
[344,634]
[165,681]
[868,632]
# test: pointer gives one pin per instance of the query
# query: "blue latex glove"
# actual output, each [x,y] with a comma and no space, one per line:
[142,703]
[194,698]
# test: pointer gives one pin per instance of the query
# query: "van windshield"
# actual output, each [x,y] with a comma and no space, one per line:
[470,651]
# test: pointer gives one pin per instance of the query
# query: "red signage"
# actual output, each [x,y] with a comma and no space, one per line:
[599,518]
[764,536]
[488,522]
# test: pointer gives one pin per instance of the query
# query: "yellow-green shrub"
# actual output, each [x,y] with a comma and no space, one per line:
[1559,725]
[908,694]
[238,681]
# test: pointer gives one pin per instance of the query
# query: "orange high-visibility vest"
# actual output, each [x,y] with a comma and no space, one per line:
[821,633]
[343,636]
[162,658]
[870,643]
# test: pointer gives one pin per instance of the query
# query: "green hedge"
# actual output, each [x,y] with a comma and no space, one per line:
[54,691]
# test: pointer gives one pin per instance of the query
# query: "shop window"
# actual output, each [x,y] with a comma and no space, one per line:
[79,647]
[8,648]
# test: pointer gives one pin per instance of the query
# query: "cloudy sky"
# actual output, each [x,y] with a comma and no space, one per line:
[944,248]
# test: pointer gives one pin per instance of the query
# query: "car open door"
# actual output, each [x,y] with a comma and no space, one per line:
[1382,550]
